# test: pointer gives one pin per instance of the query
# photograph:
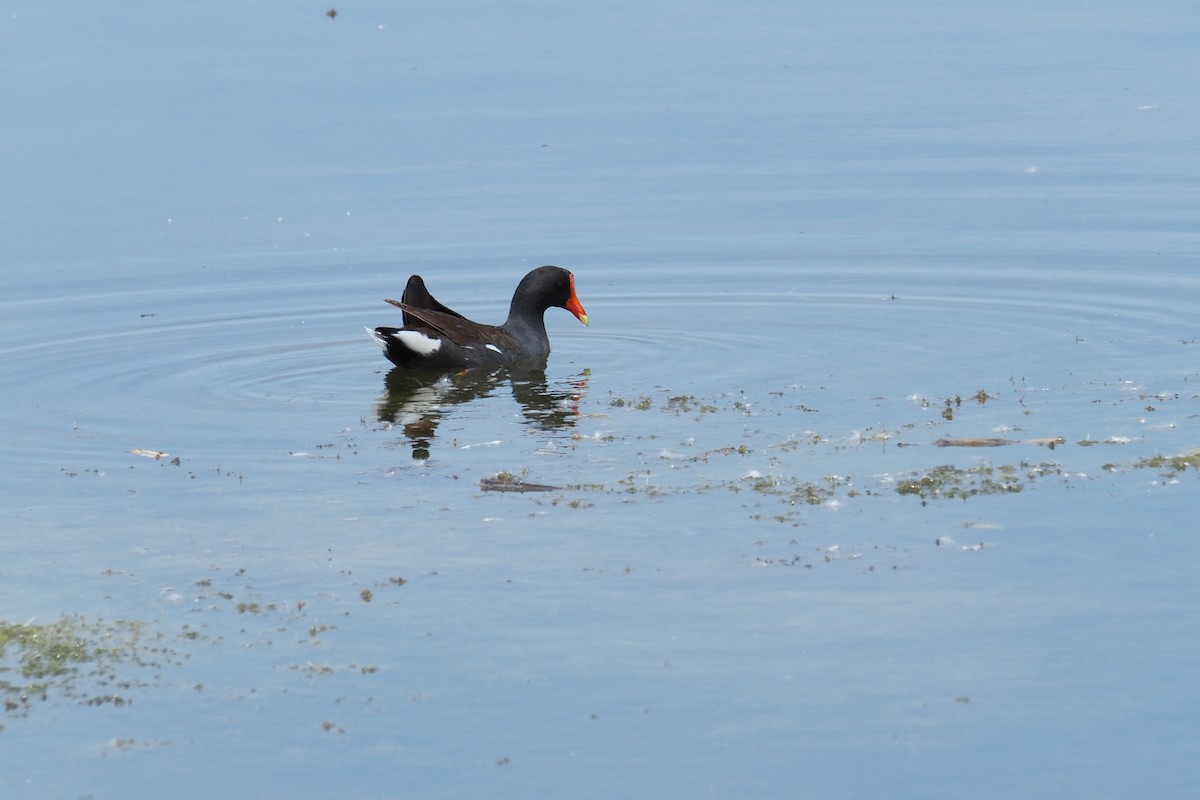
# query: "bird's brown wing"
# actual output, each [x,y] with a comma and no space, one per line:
[456,328]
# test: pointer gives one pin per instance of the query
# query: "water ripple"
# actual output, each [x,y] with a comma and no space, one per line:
[209,354]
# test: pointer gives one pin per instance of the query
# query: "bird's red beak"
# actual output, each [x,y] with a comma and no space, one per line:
[573,304]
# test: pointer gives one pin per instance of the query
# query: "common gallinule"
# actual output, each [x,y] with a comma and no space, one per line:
[434,337]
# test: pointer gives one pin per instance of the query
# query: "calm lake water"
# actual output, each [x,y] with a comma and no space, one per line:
[875,473]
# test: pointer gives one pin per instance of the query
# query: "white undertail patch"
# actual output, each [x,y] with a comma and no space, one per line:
[418,342]
[379,340]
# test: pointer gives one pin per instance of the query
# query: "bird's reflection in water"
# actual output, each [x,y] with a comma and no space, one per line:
[418,401]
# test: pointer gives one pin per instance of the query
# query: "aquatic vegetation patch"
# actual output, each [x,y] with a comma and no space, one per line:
[691,444]
[94,662]
[1171,466]
[686,404]
[678,405]
[950,404]
[866,557]
[793,490]
[91,662]
[951,481]
[642,403]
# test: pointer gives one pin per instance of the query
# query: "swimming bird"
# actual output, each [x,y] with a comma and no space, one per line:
[436,337]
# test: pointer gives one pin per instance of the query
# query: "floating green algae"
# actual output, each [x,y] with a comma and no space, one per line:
[950,481]
[73,657]
[1171,465]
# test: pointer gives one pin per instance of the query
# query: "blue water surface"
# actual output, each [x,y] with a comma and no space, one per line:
[817,244]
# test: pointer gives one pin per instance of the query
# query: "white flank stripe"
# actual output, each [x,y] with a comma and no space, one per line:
[494,348]
[418,342]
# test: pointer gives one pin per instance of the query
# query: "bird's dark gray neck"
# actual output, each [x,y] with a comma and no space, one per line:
[529,329]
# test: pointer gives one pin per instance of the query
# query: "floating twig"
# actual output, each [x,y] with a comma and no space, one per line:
[155,454]
[1051,442]
[506,483]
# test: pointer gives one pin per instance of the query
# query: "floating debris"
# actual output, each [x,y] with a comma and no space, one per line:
[507,482]
[1051,442]
[155,454]
[492,443]
[973,442]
